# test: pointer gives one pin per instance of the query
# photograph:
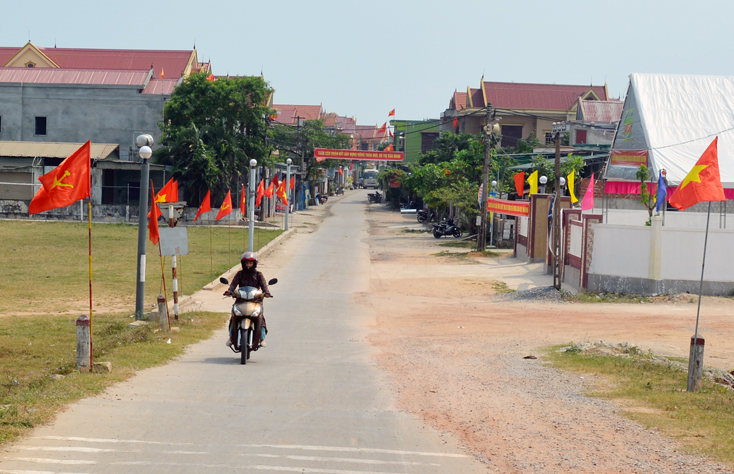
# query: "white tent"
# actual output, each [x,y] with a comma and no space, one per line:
[668,121]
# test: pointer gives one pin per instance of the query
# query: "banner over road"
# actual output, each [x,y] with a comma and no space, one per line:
[322,154]
[513,208]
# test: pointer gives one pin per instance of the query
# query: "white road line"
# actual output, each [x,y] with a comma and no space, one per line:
[76,449]
[102,440]
[54,461]
[302,470]
[352,450]
[184,452]
[5,471]
[352,460]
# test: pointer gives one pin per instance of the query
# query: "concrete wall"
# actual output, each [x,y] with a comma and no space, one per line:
[621,250]
[77,113]
[576,246]
[688,220]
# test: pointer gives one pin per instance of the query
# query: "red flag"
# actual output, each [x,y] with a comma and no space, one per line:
[65,184]
[154,235]
[520,183]
[389,148]
[389,132]
[260,192]
[382,129]
[702,183]
[174,192]
[293,183]
[281,193]
[588,201]
[392,113]
[167,192]
[276,181]
[210,78]
[269,191]
[206,205]
[226,207]
[456,122]
[163,74]
[340,171]
[243,209]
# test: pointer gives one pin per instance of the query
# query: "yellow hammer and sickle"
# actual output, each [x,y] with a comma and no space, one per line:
[225,205]
[57,181]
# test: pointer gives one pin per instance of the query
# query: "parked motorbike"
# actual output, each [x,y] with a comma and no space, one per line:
[322,198]
[247,307]
[446,228]
[339,190]
[424,216]
[375,197]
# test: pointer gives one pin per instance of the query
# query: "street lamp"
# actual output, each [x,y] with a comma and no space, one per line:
[543,180]
[251,228]
[563,184]
[287,189]
[144,142]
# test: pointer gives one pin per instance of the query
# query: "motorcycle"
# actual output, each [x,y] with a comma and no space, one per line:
[423,216]
[375,197]
[446,228]
[322,198]
[248,306]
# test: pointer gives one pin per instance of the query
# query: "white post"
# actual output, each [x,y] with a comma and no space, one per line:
[656,247]
[174,270]
[251,201]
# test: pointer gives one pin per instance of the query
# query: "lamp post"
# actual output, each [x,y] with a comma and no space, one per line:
[251,213]
[144,142]
[563,184]
[491,215]
[287,189]
[543,179]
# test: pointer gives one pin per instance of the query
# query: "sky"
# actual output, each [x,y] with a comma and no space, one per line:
[363,59]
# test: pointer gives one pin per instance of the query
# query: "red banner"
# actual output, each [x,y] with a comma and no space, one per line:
[513,208]
[322,154]
[633,158]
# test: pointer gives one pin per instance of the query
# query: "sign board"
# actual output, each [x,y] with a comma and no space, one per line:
[322,154]
[632,158]
[174,241]
[513,208]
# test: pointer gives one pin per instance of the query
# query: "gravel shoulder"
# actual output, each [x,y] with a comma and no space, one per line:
[454,349]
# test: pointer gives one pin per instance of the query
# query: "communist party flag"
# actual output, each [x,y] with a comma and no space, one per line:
[293,183]
[243,209]
[65,184]
[571,179]
[381,130]
[392,113]
[226,207]
[269,191]
[533,182]
[702,183]
[154,235]
[206,205]
[168,193]
[260,192]
[520,183]
[281,193]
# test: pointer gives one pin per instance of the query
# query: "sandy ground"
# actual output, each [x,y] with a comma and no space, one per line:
[455,352]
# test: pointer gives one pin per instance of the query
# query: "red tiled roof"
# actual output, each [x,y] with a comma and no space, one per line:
[161,86]
[286,116]
[477,98]
[458,101]
[609,111]
[306,112]
[512,95]
[172,63]
[73,76]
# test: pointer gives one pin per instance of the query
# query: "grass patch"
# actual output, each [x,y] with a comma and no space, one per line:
[35,350]
[501,287]
[461,244]
[415,231]
[46,264]
[606,298]
[654,394]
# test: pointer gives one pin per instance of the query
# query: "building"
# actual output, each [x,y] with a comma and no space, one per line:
[415,137]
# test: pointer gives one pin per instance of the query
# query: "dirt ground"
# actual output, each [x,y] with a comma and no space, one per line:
[454,350]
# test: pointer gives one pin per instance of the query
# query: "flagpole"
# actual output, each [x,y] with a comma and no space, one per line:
[91,346]
[695,362]
[211,251]
[703,264]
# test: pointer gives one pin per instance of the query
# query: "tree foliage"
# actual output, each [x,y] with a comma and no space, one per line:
[210,131]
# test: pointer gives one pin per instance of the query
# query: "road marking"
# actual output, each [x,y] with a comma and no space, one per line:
[352,450]
[102,440]
[352,460]
[302,470]
[54,461]
[5,471]
[77,449]
[185,452]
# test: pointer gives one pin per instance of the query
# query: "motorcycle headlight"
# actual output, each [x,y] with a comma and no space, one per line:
[236,311]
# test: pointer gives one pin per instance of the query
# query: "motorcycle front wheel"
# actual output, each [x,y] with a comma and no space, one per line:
[244,349]
[437,234]
[457,232]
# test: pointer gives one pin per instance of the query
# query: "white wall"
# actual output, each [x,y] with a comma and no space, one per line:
[621,250]
[683,250]
[522,226]
[576,240]
[692,220]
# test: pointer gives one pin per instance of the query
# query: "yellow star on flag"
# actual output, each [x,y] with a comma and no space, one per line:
[161,198]
[693,175]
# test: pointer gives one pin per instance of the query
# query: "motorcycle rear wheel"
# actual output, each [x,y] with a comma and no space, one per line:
[437,234]
[244,349]
[422,218]
[457,232]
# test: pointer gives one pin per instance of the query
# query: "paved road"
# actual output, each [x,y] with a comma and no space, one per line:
[311,402]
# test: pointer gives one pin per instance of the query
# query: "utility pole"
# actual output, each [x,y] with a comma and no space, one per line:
[558,128]
[482,236]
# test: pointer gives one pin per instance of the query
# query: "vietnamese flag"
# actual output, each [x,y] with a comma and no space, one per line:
[260,192]
[390,147]
[226,207]
[276,181]
[520,183]
[392,113]
[293,183]
[281,193]
[168,193]
[702,183]
[210,78]
[243,209]
[269,191]
[65,184]
[206,205]
[154,235]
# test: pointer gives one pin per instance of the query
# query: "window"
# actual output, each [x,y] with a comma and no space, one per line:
[40,125]
[550,139]
[510,135]
[30,65]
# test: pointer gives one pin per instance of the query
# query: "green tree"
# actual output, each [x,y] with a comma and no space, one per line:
[643,174]
[210,131]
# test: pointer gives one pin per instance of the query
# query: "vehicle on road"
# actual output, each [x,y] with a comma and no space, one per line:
[322,198]
[375,197]
[424,216]
[247,307]
[446,228]
[369,178]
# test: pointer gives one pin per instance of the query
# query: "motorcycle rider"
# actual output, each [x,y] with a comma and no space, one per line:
[249,276]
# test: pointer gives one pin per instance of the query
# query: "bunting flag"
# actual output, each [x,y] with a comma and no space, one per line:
[456,122]
[260,192]
[65,184]
[269,191]
[588,202]
[392,113]
[206,205]
[281,193]
[226,207]
[293,183]
[702,183]
[533,182]
[571,180]
[168,193]
[381,130]
[210,78]
[662,192]
[520,183]
[153,234]
[243,202]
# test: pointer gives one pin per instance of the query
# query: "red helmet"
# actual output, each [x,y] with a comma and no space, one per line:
[248,257]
